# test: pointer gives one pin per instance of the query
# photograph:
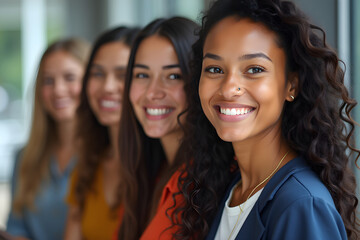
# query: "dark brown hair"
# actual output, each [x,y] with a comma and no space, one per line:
[317,125]
[94,137]
[141,157]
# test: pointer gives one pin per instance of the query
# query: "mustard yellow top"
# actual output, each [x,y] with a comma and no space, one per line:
[98,221]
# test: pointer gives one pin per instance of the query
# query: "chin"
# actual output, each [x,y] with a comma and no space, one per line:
[154,134]
[229,136]
[64,118]
[109,122]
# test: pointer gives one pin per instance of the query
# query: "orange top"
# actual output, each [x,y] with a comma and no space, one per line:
[158,227]
[98,220]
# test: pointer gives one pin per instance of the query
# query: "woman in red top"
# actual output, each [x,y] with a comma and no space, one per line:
[151,150]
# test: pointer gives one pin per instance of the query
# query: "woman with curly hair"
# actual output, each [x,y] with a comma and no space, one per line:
[270,92]
[151,150]
[43,168]
[93,197]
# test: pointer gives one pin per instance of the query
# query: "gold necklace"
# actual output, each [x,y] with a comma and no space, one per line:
[241,209]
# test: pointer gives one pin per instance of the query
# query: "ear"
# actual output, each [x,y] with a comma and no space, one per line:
[292,86]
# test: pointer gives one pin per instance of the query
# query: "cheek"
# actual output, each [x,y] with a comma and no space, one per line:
[205,91]
[180,96]
[76,89]
[136,91]
[91,89]
[45,94]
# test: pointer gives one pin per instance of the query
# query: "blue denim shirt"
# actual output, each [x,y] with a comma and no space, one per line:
[47,219]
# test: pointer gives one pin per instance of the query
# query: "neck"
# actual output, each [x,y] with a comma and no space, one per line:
[171,143]
[65,144]
[65,134]
[259,157]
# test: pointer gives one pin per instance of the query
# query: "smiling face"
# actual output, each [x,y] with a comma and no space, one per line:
[61,78]
[243,84]
[106,82]
[157,88]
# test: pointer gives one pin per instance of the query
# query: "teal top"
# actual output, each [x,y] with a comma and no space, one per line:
[47,219]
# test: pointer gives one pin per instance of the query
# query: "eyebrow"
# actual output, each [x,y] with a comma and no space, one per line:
[243,57]
[254,55]
[118,68]
[212,56]
[141,66]
[164,67]
[171,66]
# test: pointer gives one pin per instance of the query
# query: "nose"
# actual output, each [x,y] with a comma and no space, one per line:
[155,89]
[231,86]
[110,84]
[59,86]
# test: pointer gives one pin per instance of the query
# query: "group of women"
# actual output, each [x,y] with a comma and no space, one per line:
[236,129]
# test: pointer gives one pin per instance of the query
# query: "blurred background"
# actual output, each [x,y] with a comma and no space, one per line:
[27,26]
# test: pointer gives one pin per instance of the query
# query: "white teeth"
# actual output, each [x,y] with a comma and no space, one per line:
[234,111]
[109,104]
[158,111]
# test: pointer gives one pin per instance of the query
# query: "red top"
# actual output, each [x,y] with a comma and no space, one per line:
[160,222]
[156,228]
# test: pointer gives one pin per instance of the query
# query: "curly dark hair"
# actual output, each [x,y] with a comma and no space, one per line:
[141,156]
[317,125]
[94,137]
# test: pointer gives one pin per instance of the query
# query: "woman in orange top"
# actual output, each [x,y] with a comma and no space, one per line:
[151,150]
[93,198]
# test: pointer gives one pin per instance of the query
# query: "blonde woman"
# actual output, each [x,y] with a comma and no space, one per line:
[43,167]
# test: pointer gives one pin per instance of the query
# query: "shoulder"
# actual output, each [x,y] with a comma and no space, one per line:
[302,205]
[303,185]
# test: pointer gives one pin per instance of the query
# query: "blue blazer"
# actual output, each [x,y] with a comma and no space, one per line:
[294,205]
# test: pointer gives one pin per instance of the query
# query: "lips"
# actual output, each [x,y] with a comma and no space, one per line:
[109,105]
[233,112]
[158,113]
[62,103]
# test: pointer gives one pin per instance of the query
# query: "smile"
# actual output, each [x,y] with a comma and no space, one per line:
[235,111]
[111,104]
[62,103]
[158,111]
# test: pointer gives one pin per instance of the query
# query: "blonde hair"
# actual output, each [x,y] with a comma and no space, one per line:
[34,164]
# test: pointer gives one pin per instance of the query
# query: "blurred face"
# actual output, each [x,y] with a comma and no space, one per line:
[157,89]
[61,85]
[106,82]
[242,87]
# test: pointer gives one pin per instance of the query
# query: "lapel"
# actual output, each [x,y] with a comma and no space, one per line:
[253,227]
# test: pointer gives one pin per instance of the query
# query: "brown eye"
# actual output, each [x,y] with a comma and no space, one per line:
[175,76]
[141,75]
[215,70]
[48,81]
[254,70]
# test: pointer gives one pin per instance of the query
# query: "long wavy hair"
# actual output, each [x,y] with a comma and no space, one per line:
[34,164]
[94,137]
[141,156]
[317,125]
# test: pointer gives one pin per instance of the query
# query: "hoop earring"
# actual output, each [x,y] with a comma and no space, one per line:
[292,97]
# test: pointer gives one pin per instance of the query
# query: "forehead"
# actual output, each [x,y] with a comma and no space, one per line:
[113,52]
[60,61]
[241,36]
[156,50]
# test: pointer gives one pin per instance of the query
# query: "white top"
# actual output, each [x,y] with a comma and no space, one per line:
[230,216]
